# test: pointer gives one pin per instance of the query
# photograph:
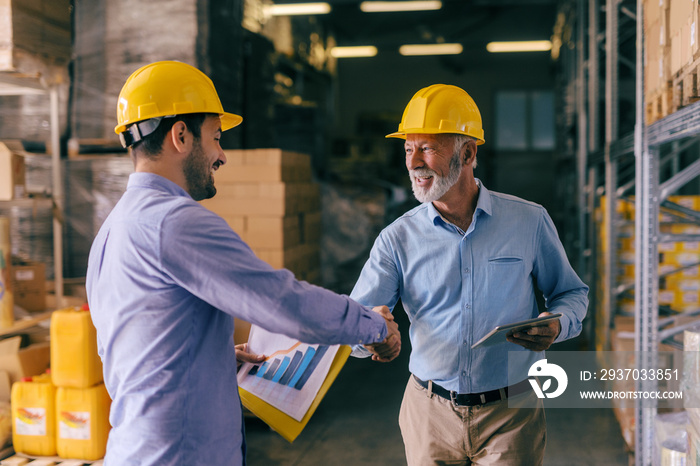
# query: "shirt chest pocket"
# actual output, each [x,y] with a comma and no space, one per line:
[505,280]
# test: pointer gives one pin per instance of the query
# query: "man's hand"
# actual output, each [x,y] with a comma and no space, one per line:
[242,355]
[537,338]
[388,349]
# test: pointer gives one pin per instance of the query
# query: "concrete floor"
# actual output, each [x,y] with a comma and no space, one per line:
[357,424]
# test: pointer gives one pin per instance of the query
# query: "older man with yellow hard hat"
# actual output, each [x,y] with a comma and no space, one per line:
[462,262]
[167,276]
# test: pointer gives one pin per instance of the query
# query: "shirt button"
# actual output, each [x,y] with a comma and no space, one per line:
[464,343]
[466,270]
[464,373]
[467,306]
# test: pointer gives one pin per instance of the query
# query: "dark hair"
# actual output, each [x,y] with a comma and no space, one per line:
[151,145]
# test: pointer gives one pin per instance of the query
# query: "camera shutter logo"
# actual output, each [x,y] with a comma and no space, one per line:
[547,371]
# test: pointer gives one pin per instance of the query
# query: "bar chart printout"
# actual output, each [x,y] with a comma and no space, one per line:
[291,375]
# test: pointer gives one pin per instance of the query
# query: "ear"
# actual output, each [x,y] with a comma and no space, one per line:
[469,151]
[180,137]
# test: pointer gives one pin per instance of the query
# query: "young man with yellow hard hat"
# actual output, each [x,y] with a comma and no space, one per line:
[167,276]
[463,262]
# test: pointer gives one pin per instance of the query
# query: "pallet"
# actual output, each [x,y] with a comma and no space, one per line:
[24,460]
[659,104]
[96,146]
[681,90]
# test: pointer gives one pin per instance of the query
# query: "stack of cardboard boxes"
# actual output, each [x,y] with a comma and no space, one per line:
[29,277]
[268,197]
[679,272]
[672,56]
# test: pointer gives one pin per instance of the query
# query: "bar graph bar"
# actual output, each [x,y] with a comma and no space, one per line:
[293,372]
[292,368]
[262,370]
[311,367]
[271,371]
[281,369]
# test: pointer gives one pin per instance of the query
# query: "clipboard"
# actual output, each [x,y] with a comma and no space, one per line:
[499,333]
[285,425]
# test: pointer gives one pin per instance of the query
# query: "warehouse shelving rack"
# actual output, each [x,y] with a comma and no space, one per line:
[619,165]
[17,84]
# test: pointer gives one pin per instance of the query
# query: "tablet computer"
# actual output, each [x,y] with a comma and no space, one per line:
[499,333]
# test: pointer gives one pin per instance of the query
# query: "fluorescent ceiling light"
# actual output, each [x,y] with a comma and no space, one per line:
[430,49]
[376,7]
[350,52]
[520,46]
[292,9]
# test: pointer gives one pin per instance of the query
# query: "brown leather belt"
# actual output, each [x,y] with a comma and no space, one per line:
[476,399]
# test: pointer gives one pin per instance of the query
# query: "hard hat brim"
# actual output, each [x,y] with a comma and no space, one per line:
[228,121]
[402,135]
[396,135]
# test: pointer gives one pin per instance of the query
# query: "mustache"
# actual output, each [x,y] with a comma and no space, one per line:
[423,172]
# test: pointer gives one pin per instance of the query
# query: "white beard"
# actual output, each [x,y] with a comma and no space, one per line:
[440,184]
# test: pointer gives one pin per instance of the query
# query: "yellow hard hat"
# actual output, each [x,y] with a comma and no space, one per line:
[168,88]
[441,108]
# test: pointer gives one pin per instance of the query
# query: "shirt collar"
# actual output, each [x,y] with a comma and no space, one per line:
[483,204]
[157,182]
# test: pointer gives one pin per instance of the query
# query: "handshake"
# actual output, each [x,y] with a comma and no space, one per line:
[388,349]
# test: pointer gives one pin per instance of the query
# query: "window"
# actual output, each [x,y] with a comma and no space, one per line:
[525,120]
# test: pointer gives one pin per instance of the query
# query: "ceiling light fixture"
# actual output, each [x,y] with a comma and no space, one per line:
[293,9]
[430,49]
[353,52]
[520,46]
[377,7]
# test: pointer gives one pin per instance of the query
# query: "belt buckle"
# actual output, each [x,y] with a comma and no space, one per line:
[453,398]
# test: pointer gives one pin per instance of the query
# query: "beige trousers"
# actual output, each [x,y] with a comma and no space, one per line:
[437,433]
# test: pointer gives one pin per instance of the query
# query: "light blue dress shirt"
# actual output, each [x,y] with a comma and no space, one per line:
[456,286]
[165,278]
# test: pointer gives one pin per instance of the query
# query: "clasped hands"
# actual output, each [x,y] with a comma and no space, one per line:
[384,351]
[390,347]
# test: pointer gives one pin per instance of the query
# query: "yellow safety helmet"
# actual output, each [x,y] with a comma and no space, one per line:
[441,108]
[165,89]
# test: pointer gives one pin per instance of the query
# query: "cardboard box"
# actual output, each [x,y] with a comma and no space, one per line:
[237,224]
[692,456]
[263,165]
[654,10]
[680,11]
[676,54]
[35,28]
[686,46]
[24,362]
[12,175]
[311,227]
[29,281]
[299,259]
[241,330]
[274,232]
[264,199]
